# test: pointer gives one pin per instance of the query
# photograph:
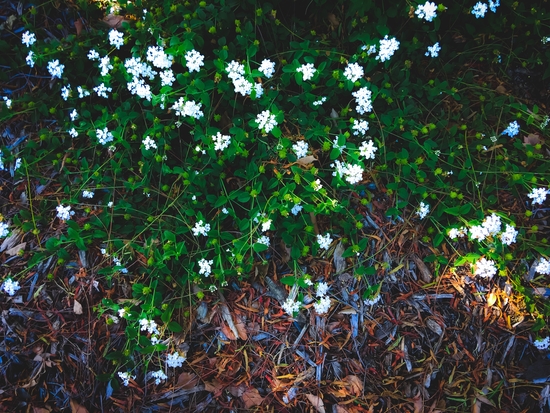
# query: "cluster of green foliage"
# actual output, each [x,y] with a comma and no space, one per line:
[436,122]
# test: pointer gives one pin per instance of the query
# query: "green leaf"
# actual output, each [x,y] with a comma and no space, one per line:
[174,327]
[258,247]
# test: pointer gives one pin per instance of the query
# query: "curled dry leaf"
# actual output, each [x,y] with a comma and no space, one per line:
[316,402]
[251,397]
[114,21]
[353,384]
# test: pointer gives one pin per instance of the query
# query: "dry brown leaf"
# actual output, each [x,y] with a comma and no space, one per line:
[237,391]
[491,299]
[532,139]
[316,402]
[227,331]
[40,410]
[114,22]
[425,273]
[501,89]
[77,408]
[15,250]
[77,307]
[353,384]
[187,380]
[339,409]
[228,318]
[418,403]
[334,21]
[78,25]
[306,160]
[215,387]
[251,397]
[241,328]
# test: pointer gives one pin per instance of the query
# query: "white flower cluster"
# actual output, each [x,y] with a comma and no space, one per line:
[88,194]
[300,148]
[367,149]
[266,121]
[538,195]
[188,108]
[55,68]
[125,377]
[353,72]
[296,209]
[324,241]
[167,77]
[508,237]
[221,142]
[363,98]
[30,59]
[512,129]
[149,325]
[373,300]
[200,228]
[4,231]
[485,268]
[93,54]
[82,92]
[266,225]
[542,343]
[291,306]
[8,104]
[320,101]
[65,92]
[73,115]
[175,360]
[267,68]
[307,70]
[194,60]
[543,266]
[159,376]
[351,173]
[10,287]
[423,210]
[149,143]
[105,65]
[158,57]
[323,305]
[235,72]
[433,51]
[480,9]
[360,127]
[102,90]
[426,11]
[205,267]
[104,136]
[116,38]
[455,233]
[64,213]
[264,239]
[387,48]
[28,38]
[490,226]
[369,50]
[73,132]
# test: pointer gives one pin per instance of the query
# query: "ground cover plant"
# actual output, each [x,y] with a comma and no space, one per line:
[189,186]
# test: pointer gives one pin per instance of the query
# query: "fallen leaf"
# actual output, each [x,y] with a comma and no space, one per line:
[214,387]
[425,273]
[339,409]
[316,402]
[77,408]
[40,410]
[228,318]
[187,380]
[78,26]
[15,250]
[532,139]
[353,384]
[491,299]
[241,328]
[252,398]
[237,391]
[434,326]
[418,403]
[77,307]
[334,21]
[339,261]
[500,89]
[114,22]
[306,160]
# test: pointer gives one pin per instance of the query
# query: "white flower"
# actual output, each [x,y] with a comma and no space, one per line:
[336,145]
[138,87]
[512,129]
[30,58]
[28,38]
[423,210]
[188,108]
[363,98]
[296,209]
[353,72]
[73,132]
[264,239]
[370,50]
[538,195]
[102,90]
[235,70]
[485,268]
[158,57]
[73,115]
[82,92]
[321,289]
[4,231]
[121,312]
[353,173]
[320,101]
[65,92]
[367,149]
[17,165]
[426,11]
[300,148]
[194,60]
[433,51]
[316,185]
[55,69]
[116,38]
[307,70]
[167,78]
[225,211]
[93,55]
[200,228]
[159,376]
[373,300]
[205,267]
[324,241]
[490,226]
[149,143]
[267,68]
[479,10]
[88,194]
[8,104]
[105,65]
[542,343]
[175,360]
[149,325]
[64,213]
[455,233]
[242,86]
[360,127]
[221,142]
[266,225]
[10,287]
[291,306]
[125,377]
[509,236]
[322,306]
[266,121]
[258,88]
[543,266]
[104,136]
[387,48]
